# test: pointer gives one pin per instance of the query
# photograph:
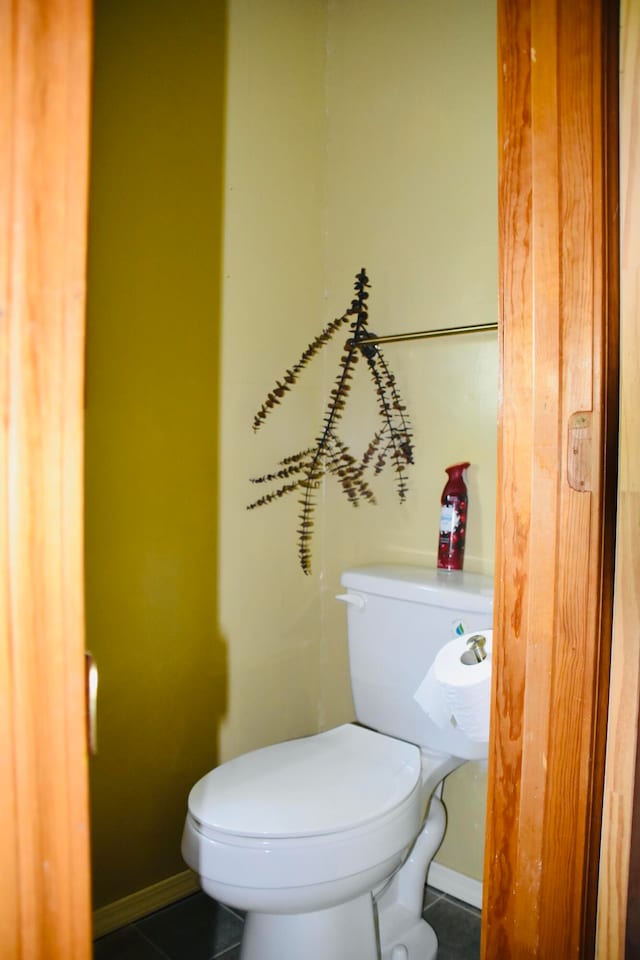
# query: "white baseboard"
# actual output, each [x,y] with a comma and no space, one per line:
[455,884]
[142,902]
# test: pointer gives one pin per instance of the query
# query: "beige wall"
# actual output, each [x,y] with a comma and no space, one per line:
[394,168]
[356,134]
[273,255]
[412,195]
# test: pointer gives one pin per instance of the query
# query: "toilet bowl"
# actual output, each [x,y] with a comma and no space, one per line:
[305,826]
[326,818]
[325,841]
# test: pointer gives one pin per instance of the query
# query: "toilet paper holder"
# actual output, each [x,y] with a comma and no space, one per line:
[475,652]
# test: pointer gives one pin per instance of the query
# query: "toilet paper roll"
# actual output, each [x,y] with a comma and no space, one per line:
[457,689]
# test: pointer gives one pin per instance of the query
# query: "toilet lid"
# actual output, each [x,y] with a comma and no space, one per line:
[323,784]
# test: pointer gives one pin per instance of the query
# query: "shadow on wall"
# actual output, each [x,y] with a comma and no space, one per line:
[154,287]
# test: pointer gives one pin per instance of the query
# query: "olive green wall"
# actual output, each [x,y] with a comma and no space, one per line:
[151,427]
[355,134]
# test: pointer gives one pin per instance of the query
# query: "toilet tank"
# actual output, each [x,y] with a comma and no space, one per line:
[398,617]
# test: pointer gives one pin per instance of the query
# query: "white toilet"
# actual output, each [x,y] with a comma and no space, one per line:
[326,841]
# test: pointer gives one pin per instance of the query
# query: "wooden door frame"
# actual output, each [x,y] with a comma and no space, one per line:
[557,445]
[618,933]
[44,829]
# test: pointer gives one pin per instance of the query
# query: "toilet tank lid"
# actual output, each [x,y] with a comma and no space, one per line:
[455,589]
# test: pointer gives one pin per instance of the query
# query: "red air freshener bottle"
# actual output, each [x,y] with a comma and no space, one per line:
[453,519]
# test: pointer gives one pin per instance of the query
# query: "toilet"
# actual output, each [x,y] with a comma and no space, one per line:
[325,841]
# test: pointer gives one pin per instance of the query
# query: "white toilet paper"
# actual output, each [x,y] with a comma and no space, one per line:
[458,693]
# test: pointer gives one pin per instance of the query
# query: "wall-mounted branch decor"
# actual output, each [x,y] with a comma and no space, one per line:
[391,444]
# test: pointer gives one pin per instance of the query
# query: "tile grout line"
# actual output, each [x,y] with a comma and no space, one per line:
[456,904]
[437,896]
[226,951]
[233,913]
[467,907]
[148,940]
[231,946]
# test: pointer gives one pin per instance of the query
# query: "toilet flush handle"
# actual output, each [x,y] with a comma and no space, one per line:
[354,599]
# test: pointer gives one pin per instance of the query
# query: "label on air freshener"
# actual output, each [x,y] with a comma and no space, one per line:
[448,519]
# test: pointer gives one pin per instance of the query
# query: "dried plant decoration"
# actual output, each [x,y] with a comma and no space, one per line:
[391,444]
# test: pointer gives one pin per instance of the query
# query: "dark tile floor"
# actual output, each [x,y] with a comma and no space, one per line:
[199,929]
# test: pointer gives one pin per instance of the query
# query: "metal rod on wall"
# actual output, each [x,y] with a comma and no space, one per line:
[425,334]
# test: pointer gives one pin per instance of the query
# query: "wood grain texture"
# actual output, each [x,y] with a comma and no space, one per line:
[551,656]
[618,933]
[44,902]
[9,902]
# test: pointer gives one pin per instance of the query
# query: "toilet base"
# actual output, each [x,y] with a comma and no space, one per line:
[344,932]
[410,938]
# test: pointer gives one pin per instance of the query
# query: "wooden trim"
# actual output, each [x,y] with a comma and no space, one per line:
[9,901]
[620,851]
[556,478]
[44,884]
[143,902]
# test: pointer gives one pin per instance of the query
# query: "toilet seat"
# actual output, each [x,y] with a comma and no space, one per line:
[367,816]
[324,784]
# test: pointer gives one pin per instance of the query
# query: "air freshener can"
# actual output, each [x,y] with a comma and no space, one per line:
[453,519]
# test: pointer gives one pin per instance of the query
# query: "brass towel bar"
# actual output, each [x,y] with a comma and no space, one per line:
[425,334]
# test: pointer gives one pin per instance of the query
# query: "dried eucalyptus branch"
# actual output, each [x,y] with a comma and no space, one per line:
[291,376]
[396,429]
[392,443]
